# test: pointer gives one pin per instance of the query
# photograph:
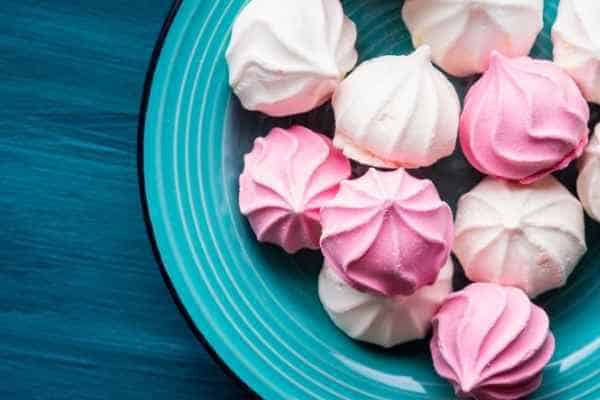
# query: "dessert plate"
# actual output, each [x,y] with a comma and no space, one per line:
[251,303]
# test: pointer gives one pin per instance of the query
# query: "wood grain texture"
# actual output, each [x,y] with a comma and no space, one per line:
[84,313]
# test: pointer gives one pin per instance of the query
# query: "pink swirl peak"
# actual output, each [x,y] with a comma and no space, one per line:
[491,342]
[523,120]
[287,177]
[387,233]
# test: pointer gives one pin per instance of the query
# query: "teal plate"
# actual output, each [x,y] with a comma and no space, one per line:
[257,307]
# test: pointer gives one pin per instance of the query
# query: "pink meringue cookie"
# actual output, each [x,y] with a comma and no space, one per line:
[287,177]
[387,233]
[523,120]
[491,342]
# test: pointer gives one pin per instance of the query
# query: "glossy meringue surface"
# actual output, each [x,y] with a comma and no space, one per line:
[409,119]
[524,119]
[287,57]
[387,233]
[381,320]
[463,33]
[588,181]
[530,237]
[258,307]
[576,40]
[491,342]
[288,176]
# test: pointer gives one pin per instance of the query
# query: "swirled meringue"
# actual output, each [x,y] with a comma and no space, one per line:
[576,39]
[407,119]
[530,237]
[287,56]
[588,181]
[387,233]
[287,177]
[463,33]
[491,342]
[523,120]
[385,321]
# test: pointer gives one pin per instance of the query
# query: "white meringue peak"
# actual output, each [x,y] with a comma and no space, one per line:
[463,33]
[396,112]
[530,237]
[576,39]
[287,57]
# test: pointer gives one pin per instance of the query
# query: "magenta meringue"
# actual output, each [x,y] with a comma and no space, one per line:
[491,342]
[387,233]
[523,120]
[287,177]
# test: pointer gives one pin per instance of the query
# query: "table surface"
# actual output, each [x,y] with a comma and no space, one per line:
[84,312]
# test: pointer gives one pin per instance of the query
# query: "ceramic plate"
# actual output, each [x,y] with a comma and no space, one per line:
[258,308]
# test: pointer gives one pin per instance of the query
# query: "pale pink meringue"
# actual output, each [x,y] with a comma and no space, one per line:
[491,342]
[387,233]
[287,177]
[523,120]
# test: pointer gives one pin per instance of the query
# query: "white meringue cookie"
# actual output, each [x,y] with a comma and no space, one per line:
[463,33]
[588,182]
[385,321]
[576,39]
[528,236]
[396,111]
[287,56]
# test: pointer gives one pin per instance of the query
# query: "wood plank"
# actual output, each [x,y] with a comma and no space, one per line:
[83,309]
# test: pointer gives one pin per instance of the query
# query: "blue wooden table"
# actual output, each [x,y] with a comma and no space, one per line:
[84,313]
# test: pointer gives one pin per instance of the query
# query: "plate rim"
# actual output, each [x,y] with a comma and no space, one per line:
[145,189]
[149,227]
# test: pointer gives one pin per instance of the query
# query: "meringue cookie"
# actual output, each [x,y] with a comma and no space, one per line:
[588,182]
[409,119]
[531,237]
[491,342]
[523,120]
[287,178]
[287,56]
[381,320]
[387,233]
[576,39]
[463,33]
